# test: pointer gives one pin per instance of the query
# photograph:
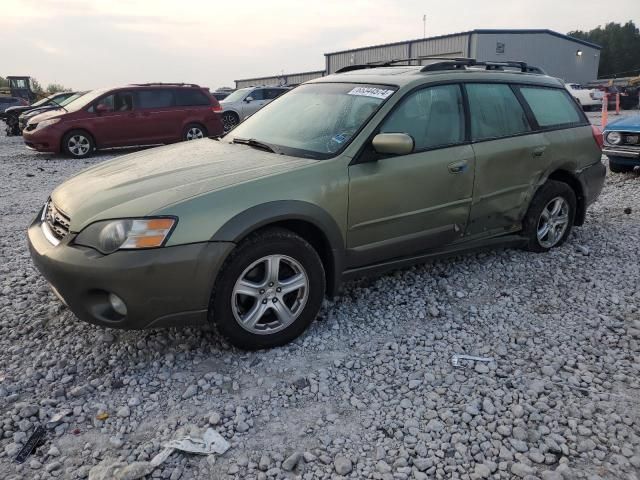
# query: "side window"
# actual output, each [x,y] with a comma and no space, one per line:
[551,107]
[433,116]
[272,93]
[495,111]
[257,94]
[191,97]
[158,98]
[116,102]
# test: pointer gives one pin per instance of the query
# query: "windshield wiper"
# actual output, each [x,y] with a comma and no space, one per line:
[252,142]
[57,105]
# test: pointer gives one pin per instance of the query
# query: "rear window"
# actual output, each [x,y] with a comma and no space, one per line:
[191,97]
[155,98]
[495,111]
[551,107]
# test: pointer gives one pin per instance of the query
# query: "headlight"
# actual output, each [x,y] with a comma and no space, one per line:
[47,123]
[126,234]
[614,138]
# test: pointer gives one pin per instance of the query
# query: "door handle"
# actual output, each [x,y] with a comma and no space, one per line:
[458,167]
[538,151]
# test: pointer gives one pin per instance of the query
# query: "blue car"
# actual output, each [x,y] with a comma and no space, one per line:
[622,144]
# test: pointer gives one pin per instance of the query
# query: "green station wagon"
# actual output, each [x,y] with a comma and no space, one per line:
[355,173]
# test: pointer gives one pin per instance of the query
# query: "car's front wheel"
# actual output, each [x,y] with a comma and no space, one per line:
[78,144]
[550,217]
[269,290]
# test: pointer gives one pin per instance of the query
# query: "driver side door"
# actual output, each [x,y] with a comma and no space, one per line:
[257,102]
[406,204]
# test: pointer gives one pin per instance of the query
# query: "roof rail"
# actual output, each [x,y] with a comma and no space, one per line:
[473,63]
[173,84]
[391,63]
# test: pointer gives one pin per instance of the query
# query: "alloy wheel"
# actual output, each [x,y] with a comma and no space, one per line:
[229,121]
[78,145]
[553,222]
[270,294]
[194,133]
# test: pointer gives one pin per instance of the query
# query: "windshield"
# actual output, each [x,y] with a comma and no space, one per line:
[315,120]
[70,99]
[83,100]
[236,96]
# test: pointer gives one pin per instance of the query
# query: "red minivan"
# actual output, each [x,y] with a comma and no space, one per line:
[141,114]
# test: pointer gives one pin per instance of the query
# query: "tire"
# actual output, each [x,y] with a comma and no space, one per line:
[270,325]
[194,131]
[552,196]
[619,168]
[230,120]
[78,144]
[13,125]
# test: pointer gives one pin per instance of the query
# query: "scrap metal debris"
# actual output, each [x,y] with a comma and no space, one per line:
[455,360]
[36,438]
[211,442]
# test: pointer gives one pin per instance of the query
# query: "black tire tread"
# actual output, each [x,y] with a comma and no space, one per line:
[227,325]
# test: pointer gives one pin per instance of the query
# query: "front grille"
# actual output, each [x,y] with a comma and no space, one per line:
[30,127]
[57,221]
[631,138]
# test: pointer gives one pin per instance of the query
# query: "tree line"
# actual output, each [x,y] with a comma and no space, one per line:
[620,54]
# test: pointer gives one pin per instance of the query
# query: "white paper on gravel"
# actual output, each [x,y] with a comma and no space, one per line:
[211,442]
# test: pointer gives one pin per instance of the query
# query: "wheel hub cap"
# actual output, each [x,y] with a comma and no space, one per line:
[270,294]
[553,222]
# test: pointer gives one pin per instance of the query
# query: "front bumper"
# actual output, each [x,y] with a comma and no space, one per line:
[45,140]
[624,152]
[161,287]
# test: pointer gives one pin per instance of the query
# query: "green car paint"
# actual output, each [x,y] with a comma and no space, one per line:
[366,211]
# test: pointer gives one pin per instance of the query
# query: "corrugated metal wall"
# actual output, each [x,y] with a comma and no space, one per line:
[286,79]
[448,45]
[556,56]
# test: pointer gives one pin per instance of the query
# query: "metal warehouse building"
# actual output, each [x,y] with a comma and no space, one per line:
[285,79]
[561,56]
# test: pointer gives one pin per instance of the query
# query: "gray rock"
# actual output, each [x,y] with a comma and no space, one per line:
[123,412]
[342,465]
[291,462]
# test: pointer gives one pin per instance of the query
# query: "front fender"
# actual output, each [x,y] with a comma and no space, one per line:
[270,213]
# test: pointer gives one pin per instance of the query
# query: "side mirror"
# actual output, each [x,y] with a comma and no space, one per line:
[248,99]
[393,143]
[102,108]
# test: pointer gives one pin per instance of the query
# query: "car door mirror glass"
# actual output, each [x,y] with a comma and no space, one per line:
[393,143]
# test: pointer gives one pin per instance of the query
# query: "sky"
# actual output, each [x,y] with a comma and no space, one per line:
[86,44]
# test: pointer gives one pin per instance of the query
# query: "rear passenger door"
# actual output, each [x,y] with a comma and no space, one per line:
[510,158]
[159,119]
[405,204]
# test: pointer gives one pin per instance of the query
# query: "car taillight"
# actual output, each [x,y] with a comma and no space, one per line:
[216,108]
[597,136]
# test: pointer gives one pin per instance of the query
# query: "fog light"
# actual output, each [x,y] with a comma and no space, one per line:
[117,304]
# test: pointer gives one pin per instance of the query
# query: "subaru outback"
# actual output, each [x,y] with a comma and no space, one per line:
[354,173]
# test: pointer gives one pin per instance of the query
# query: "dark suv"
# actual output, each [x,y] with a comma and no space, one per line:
[142,114]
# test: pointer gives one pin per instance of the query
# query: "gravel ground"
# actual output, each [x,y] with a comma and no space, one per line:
[369,391]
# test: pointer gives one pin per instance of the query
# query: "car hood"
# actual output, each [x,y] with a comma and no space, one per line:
[47,114]
[39,110]
[628,124]
[141,183]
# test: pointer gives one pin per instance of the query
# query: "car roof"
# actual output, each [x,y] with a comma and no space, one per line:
[409,75]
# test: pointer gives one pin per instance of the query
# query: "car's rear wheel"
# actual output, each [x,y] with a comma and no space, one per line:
[194,131]
[550,217]
[269,290]
[78,144]
[230,120]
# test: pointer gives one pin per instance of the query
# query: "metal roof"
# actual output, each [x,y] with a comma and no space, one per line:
[279,75]
[479,31]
